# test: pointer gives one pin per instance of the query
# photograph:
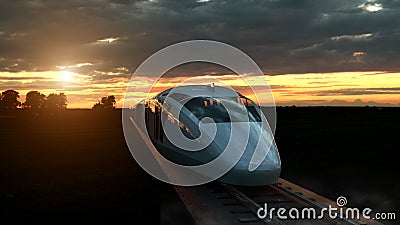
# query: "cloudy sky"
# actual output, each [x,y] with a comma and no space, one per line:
[330,52]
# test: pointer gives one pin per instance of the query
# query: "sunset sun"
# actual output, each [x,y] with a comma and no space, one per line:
[66,76]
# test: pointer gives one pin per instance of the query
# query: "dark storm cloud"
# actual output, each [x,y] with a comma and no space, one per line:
[287,36]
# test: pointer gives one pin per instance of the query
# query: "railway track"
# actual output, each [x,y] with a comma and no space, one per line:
[218,203]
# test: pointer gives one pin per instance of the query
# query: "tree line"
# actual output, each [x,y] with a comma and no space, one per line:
[9,99]
[106,103]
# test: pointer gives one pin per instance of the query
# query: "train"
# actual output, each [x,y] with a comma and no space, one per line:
[218,105]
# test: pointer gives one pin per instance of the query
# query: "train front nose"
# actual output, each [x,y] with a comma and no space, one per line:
[260,163]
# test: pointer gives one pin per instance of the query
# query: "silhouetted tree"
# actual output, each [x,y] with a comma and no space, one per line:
[56,101]
[106,103]
[98,105]
[34,100]
[9,100]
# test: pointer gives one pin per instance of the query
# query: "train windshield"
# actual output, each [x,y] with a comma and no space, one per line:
[216,108]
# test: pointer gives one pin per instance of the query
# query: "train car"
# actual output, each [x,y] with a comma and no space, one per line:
[210,102]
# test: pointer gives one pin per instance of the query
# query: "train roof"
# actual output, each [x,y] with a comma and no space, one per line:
[201,90]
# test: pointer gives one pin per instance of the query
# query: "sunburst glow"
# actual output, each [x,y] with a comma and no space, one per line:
[66,76]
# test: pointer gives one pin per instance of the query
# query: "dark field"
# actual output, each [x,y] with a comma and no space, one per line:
[74,166]
[351,152]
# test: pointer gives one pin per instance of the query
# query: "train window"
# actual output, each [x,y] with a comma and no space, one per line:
[249,103]
[177,96]
[204,107]
[244,101]
[152,106]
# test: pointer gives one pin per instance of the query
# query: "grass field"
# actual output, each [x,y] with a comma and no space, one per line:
[74,166]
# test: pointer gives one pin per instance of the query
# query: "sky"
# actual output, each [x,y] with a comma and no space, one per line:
[331,52]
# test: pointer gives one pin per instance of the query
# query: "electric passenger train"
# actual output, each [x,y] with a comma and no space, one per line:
[210,103]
